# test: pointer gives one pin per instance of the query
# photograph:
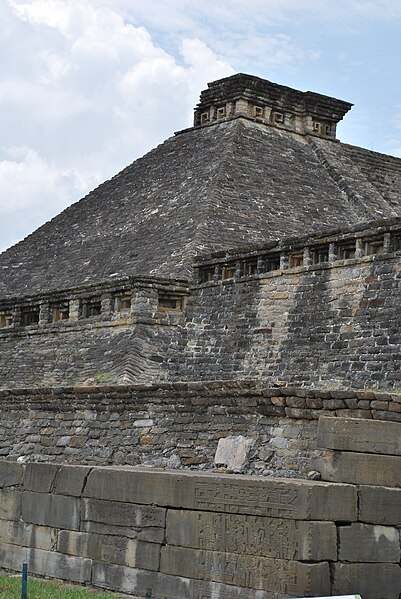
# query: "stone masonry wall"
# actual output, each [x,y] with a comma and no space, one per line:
[198,536]
[316,326]
[179,425]
[319,312]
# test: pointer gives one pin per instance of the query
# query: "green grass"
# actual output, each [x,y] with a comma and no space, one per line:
[10,588]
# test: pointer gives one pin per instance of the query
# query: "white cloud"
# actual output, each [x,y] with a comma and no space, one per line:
[85,95]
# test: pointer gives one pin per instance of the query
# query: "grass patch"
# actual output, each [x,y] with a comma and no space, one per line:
[10,588]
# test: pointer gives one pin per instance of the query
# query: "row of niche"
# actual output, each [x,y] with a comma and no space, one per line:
[265,113]
[321,254]
[72,310]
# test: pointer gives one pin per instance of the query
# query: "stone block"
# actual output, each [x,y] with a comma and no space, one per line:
[233,452]
[123,514]
[359,468]
[28,535]
[51,510]
[352,434]
[10,505]
[136,582]
[278,498]
[40,477]
[252,535]
[370,581]
[111,549]
[279,576]
[11,474]
[71,480]
[46,563]
[367,543]
[380,505]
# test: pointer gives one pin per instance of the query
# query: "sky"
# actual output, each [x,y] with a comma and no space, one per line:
[88,86]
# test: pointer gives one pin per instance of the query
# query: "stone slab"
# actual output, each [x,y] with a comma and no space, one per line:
[359,435]
[136,582]
[111,549]
[57,511]
[359,468]
[28,535]
[232,452]
[10,504]
[11,474]
[371,581]
[367,543]
[277,498]
[40,477]
[279,576]
[252,535]
[380,505]
[123,514]
[71,480]
[46,563]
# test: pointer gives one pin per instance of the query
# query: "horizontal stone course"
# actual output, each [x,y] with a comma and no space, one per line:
[300,500]
[253,535]
[290,577]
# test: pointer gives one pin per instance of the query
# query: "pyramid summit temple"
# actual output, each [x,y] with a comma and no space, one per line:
[200,365]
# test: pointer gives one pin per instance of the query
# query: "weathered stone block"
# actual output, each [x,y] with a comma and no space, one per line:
[136,582]
[111,549]
[40,477]
[46,563]
[278,498]
[279,576]
[252,535]
[359,468]
[10,505]
[233,452]
[352,434]
[11,474]
[51,510]
[28,535]
[367,543]
[380,505]
[123,514]
[371,581]
[71,480]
